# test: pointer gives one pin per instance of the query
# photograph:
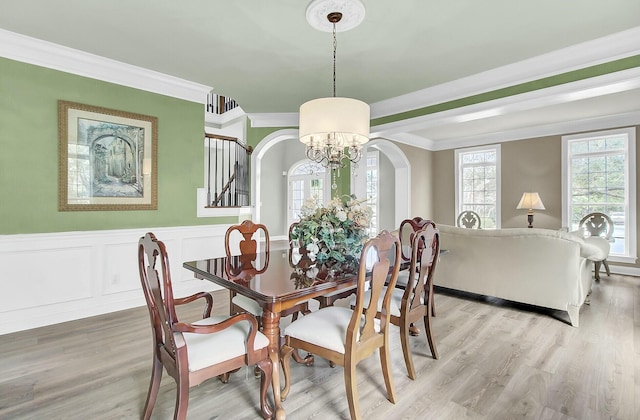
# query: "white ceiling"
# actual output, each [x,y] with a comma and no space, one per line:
[406,55]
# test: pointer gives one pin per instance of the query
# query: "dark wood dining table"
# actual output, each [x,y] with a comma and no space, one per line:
[280,286]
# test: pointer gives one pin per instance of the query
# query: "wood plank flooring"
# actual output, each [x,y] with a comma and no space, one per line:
[498,360]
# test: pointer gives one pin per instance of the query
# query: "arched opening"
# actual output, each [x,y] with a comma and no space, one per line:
[277,152]
[393,174]
[306,180]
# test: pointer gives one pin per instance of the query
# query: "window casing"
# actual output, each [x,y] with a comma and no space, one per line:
[478,183]
[373,187]
[306,179]
[598,175]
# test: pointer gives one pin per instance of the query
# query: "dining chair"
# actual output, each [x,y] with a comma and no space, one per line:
[346,336]
[408,229]
[245,265]
[414,302]
[469,219]
[598,225]
[194,352]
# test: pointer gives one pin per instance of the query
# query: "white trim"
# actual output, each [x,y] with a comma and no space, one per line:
[256,165]
[219,121]
[203,211]
[623,44]
[326,187]
[458,189]
[274,119]
[57,57]
[402,177]
[630,175]
[58,277]
[621,269]
[608,48]
[582,89]
[558,129]
[375,153]
[401,130]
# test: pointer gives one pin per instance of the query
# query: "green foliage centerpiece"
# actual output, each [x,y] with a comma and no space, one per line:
[332,236]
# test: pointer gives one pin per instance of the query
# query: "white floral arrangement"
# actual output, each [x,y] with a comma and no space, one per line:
[334,234]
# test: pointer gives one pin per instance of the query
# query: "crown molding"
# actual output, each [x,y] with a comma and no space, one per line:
[410,139]
[274,119]
[582,89]
[556,129]
[57,57]
[602,50]
[224,119]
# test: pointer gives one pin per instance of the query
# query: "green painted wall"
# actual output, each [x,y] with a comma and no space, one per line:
[29,152]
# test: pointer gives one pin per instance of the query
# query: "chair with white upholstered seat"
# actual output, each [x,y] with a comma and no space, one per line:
[246,263]
[194,352]
[345,336]
[414,302]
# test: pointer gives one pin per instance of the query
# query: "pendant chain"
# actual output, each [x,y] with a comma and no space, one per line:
[335,46]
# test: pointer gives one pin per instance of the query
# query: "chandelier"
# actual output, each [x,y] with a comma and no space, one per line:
[334,128]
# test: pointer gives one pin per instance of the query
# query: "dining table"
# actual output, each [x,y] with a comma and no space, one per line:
[277,281]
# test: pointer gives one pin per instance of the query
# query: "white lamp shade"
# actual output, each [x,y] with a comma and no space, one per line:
[333,117]
[531,201]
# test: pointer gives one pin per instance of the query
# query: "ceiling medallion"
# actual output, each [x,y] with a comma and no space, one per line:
[334,129]
[352,14]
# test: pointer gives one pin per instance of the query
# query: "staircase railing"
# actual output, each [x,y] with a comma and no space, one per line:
[228,164]
[218,104]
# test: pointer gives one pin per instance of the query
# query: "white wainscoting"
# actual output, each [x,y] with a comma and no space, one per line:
[51,278]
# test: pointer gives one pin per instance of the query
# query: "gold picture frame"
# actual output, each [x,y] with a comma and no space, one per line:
[107,159]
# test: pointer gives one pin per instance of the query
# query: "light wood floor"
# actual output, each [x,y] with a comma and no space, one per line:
[498,361]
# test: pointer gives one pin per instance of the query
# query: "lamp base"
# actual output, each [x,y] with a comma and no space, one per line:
[530,220]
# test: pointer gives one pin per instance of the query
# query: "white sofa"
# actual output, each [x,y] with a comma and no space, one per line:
[540,267]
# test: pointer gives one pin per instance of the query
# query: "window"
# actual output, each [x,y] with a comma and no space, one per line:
[373,186]
[599,176]
[478,183]
[306,179]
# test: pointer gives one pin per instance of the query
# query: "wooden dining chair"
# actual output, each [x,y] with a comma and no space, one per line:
[346,336]
[245,265]
[414,302]
[469,219]
[245,262]
[408,229]
[194,352]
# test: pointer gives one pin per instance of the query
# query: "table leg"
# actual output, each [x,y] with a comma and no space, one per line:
[271,328]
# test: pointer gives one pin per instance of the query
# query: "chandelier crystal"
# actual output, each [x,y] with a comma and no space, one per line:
[334,128]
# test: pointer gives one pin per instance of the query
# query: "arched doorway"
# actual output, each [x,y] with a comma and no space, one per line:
[400,199]
[383,162]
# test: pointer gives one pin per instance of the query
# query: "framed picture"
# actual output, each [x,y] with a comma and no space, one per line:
[107,159]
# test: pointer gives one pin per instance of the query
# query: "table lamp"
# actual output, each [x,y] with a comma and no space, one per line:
[530,201]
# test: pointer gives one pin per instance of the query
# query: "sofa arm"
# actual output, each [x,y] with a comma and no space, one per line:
[595,248]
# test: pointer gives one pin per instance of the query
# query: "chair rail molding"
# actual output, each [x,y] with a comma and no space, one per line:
[57,277]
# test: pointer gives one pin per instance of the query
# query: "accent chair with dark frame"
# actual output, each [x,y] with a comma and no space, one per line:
[194,352]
